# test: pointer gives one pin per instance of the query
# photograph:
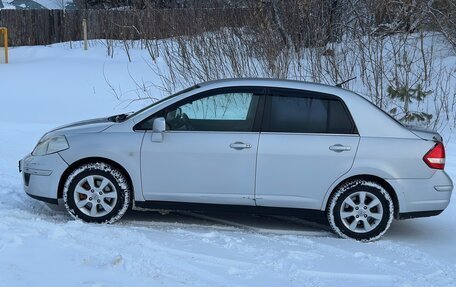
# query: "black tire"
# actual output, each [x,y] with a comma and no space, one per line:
[384,210]
[117,187]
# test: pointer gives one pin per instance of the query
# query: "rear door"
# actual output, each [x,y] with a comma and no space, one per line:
[308,140]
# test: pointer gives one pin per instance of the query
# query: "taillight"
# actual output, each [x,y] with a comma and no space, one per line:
[435,158]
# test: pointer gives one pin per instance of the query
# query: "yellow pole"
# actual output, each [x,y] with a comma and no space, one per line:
[5,35]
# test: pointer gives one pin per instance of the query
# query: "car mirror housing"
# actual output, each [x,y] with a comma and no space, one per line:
[158,127]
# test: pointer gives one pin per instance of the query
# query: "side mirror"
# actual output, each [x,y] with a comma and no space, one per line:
[158,127]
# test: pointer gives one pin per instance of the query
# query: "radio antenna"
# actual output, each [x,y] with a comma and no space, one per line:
[344,82]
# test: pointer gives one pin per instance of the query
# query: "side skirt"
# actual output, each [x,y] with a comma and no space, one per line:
[310,214]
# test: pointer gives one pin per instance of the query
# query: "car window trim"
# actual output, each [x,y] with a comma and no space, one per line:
[311,134]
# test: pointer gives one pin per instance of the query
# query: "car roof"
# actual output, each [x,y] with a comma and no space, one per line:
[273,83]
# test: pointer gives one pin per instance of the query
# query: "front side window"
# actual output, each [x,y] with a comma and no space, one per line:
[220,112]
[307,114]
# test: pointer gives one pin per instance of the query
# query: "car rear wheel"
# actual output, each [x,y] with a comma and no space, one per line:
[96,192]
[361,210]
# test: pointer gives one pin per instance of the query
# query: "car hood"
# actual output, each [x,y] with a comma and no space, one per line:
[425,134]
[87,126]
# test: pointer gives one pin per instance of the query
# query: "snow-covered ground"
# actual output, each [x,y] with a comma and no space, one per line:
[44,87]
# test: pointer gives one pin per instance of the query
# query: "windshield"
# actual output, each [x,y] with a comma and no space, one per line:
[162,100]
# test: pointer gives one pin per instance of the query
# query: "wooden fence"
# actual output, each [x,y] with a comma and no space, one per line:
[42,27]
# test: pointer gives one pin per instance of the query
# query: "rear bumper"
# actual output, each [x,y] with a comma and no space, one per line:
[41,176]
[423,197]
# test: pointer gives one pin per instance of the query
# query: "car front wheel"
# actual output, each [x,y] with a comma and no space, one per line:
[96,192]
[360,210]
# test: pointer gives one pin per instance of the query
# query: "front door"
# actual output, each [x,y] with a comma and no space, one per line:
[208,152]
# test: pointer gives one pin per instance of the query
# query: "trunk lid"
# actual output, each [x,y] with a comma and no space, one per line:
[426,134]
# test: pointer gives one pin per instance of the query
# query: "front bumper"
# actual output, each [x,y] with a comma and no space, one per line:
[41,176]
[423,197]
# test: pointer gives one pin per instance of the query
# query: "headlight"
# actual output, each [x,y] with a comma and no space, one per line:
[51,145]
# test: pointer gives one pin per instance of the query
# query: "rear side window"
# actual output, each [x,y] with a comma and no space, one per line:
[298,113]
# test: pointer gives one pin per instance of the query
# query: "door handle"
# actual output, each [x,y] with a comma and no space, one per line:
[339,148]
[240,145]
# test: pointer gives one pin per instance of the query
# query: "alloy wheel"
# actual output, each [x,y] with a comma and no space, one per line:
[95,195]
[361,212]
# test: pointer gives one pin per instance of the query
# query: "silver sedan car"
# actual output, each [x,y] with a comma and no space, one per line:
[256,145]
